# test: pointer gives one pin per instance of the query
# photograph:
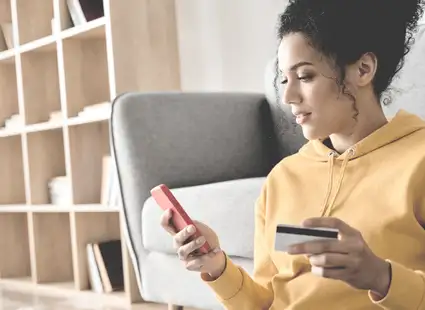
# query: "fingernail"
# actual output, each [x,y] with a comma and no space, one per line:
[200,240]
[191,229]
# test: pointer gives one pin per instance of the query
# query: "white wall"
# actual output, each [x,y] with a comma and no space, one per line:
[226,44]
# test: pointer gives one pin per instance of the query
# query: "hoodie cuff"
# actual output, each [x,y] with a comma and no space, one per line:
[406,290]
[229,284]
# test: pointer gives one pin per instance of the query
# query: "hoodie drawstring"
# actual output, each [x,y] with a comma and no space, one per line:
[327,208]
[330,181]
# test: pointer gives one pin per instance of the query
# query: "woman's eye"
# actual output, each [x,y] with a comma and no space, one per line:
[284,82]
[305,78]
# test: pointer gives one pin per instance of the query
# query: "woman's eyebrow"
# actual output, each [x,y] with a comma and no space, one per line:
[298,65]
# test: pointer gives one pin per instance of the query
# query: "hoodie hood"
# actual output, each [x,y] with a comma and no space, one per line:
[400,126]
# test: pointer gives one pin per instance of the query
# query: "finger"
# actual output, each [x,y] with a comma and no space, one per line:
[185,250]
[330,273]
[330,222]
[200,262]
[183,236]
[320,247]
[330,260]
[166,222]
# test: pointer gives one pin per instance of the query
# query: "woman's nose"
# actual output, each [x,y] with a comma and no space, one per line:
[291,94]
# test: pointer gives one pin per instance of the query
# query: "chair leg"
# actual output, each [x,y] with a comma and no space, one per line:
[174,307]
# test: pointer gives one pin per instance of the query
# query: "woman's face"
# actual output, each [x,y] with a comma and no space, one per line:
[309,85]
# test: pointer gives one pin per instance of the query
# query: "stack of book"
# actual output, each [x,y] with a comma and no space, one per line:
[105,266]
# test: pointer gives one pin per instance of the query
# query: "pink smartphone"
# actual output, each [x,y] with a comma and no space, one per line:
[166,200]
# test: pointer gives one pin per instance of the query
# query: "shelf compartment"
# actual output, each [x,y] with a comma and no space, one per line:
[88,144]
[15,260]
[90,227]
[8,94]
[34,19]
[11,167]
[46,161]
[41,85]
[6,29]
[51,247]
[86,73]
[94,29]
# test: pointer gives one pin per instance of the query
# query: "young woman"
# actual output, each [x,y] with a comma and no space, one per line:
[359,173]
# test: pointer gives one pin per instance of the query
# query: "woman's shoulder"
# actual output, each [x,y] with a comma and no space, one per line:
[286,164]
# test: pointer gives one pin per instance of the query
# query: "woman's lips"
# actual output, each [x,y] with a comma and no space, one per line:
[302,118]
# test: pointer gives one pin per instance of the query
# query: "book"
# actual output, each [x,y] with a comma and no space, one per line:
[76,12]
[109,262]
[110,191]
[82,11]
[95,279]
[92,9]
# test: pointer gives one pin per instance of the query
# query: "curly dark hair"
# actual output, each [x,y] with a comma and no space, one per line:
[344,30]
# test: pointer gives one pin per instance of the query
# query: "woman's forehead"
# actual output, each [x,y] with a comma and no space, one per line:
[295,49]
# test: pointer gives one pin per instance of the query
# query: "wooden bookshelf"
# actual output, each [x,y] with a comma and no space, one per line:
[63,69]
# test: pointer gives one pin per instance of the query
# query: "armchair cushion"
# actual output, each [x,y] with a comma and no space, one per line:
[227,207]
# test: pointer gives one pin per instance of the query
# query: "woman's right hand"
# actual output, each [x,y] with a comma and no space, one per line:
[212,263]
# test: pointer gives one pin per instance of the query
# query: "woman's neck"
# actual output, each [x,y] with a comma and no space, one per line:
[371,117]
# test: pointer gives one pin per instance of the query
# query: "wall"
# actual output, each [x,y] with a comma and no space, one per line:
[226,44]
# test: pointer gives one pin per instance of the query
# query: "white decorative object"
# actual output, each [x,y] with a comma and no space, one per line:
[14,122]
[60,191]
[96,110]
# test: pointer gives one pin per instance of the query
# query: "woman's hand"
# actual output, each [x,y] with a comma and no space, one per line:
[212,263]
[348,259]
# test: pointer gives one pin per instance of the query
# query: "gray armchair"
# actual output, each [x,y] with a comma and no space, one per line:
[213,150]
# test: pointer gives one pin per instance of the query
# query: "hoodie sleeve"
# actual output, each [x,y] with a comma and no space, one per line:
[407,288]
[235,288]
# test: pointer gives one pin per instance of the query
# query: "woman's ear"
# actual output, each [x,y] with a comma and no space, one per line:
[366,69]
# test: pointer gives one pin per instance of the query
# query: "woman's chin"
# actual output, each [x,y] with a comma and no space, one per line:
[311,133]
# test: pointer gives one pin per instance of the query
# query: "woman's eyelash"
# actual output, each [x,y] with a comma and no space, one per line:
[305,78]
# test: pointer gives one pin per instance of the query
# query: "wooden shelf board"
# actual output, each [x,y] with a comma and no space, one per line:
[14,208]
[94,208]
[81,120]
[46,44]
[62,289]
[92,29]
[16,281]
[10,132]
[57,209]
[8,56]
[43,126]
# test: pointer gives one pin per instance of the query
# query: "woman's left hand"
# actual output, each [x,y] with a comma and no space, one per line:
[348,258]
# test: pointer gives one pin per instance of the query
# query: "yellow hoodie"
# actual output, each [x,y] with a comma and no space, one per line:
[377,187]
